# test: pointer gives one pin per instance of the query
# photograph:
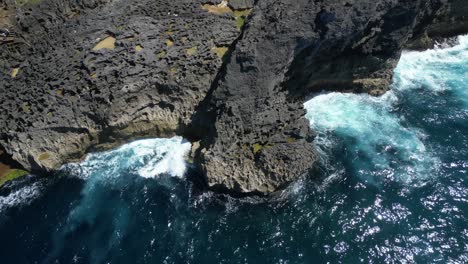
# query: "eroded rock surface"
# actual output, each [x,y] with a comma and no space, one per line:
[451,21]
[88,72]
[77,74]
[260,140]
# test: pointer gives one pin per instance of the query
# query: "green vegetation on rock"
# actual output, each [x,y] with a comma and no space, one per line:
[191,51]
[220,51]
[240,16]
[242,13]
[11,175]
[257,147]
[44,156]
[161,54]
[169,43]
[26,108]
[240,21]
[27,2]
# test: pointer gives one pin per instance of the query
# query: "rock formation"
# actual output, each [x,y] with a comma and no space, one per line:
[78,75]
[82,73]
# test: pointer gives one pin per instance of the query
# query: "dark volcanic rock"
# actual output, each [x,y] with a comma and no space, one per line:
[453,21]
[75,74]
[260,140]
[450,22]
[71,91]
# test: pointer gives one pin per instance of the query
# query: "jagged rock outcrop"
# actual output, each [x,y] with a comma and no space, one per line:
[260,139]
[451,21]
[78,74]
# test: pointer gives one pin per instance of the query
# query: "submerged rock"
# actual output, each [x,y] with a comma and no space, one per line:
[81,75]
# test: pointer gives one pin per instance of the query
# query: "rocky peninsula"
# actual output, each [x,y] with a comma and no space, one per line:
[230,76]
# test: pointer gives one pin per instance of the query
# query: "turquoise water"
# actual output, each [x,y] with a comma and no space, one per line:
[393,189]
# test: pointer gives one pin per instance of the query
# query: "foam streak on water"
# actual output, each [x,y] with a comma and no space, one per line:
[115,171]
[438,70]
[147,158]
[383,143]
[374,135]
[20,195]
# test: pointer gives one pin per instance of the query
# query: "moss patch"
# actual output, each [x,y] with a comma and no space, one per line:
[14,72]
[191,51]
[44,156]
[107,43]
[242,13]
[223,8]
[169,43]
[220,51]
[26,108]
[11,175]
[257,147]
[138,48]
[240,16]
[161,54]
[240,21]
[27,2]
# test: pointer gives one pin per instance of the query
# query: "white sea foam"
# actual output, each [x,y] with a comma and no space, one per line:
[23,196]
[438,69]
[147,158]
[110,172]
[382,146]
[172,162]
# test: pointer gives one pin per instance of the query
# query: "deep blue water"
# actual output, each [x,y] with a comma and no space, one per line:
[394,190]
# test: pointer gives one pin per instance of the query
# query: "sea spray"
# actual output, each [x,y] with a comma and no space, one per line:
[146,158]
[437,70]
[120,177]
[380,146]
[384,142]
[21,192]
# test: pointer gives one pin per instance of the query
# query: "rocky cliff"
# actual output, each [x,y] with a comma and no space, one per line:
[80,75]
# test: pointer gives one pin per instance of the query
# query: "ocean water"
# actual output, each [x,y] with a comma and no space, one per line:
[392,189]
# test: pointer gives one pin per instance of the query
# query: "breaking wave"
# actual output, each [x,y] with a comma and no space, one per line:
[376,138]
[381,137]
[147,158]
[21,193]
